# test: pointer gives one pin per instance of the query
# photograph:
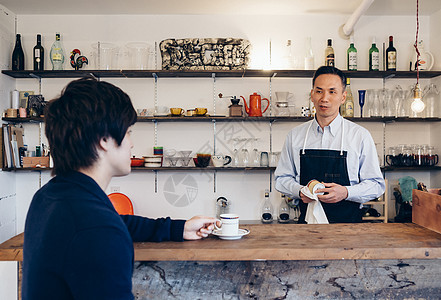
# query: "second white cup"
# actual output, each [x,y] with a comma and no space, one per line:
[230,224]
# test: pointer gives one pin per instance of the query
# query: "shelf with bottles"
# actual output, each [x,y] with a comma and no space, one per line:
[208,73]
[415,168]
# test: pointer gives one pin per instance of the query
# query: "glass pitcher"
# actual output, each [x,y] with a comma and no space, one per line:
[432,100]
[388,101]
[400,100]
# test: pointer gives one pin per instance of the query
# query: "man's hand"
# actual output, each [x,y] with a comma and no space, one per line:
[199,227]
[333,193]
[305,199]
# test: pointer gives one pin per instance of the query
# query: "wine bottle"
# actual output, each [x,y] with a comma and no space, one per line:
[349,103]
[391,56]
[374,57]
[57,54]
[18,55]
[38,55]
[329,55]
[352,56]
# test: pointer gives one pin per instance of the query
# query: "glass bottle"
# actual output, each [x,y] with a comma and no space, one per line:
[283,215]
[329,55]
[349,103]
[309,57]
[18,55]
[267,209]
[374,57]
[289,58]
[38,55]
[391,56]
[352,56]
[57,54]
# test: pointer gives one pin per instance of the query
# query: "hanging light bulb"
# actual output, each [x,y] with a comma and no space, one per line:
[417,105]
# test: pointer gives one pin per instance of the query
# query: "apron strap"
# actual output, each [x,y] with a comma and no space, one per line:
[342,136]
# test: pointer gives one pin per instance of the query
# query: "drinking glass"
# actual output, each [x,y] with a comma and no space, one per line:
[244,160]
[255,154]
[361,98]
[400,99]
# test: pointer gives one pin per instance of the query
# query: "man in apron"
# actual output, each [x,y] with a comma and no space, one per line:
[332,150]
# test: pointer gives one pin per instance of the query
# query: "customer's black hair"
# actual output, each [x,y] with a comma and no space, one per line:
[330,70]
[86,111]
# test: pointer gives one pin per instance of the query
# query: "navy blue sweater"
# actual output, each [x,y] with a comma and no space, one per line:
[76,246]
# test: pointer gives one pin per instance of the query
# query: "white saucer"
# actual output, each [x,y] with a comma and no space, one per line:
[240,234]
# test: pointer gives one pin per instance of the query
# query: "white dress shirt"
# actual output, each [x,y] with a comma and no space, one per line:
[366,180]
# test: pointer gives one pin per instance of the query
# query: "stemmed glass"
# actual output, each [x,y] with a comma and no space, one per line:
[361,97]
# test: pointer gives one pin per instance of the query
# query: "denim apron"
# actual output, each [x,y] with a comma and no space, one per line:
[328,166]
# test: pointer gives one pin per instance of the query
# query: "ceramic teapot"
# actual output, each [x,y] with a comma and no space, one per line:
[255,107]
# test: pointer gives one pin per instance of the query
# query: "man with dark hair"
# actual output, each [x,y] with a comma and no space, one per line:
[332,150]
[76,246]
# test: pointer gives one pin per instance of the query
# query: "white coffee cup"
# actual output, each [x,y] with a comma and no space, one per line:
[230,224]
[220,160]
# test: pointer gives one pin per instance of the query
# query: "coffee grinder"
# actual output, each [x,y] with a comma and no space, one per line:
[235,109]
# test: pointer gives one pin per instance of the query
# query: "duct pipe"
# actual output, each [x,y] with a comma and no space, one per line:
[346,29]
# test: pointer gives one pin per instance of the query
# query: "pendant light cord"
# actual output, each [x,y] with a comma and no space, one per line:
[416,43]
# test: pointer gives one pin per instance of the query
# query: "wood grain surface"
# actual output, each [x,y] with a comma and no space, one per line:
[426,210]
[289,242]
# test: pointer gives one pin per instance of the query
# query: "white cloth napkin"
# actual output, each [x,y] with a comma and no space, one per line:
[314,213]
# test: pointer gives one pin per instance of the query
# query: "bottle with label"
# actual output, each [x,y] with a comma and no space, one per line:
[267,209]
[18,55]
[38,55]
[349,103]
[57,54]
[352,56]
[329,55]
[391,56]
[374,57]
[309,57]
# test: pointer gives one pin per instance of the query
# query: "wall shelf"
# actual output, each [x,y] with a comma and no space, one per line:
[208,73]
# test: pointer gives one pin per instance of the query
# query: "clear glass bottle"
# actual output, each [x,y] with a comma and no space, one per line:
[374,57]
[309,57]
[329,55]
[290,61]
[283,215]
[349,103]
[352,56]
[57,54]
[267,209]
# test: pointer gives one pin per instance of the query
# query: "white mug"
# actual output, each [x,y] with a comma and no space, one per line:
[220,160]
[230,224]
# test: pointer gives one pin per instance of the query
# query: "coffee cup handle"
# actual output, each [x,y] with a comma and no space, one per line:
[228,158]
[387,159]
[436,159]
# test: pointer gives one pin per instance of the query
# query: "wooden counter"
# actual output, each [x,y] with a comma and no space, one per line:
[289,242]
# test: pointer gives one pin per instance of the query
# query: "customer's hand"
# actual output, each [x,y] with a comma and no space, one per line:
[199,227]
[333,193]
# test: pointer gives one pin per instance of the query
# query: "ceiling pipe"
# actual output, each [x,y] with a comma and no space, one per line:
[347,28]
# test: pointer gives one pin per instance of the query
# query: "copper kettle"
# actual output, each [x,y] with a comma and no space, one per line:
[255,107]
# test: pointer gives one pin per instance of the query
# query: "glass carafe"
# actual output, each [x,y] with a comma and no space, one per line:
[400,100]
[432,100]
[283,215]
[388,103]
[376,107]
